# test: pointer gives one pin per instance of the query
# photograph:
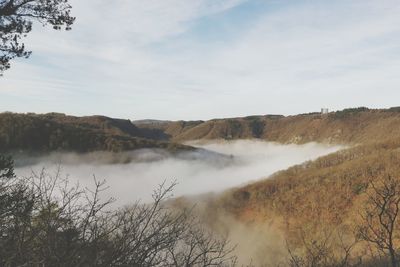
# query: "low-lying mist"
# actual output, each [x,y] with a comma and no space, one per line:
[214,167]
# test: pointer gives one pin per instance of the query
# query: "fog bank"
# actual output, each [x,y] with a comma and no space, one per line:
[223,164]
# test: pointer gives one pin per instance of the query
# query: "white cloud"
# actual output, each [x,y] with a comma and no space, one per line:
[142,57]
[109,29]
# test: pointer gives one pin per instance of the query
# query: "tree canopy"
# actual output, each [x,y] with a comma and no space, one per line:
[16,19]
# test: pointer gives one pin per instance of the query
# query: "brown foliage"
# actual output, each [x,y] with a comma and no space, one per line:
[349,126]
[51,132]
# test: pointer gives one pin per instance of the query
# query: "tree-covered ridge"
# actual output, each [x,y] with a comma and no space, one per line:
[348,126]
[58,132]
[54,131]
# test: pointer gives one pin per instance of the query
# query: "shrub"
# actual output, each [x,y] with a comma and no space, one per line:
[45,221]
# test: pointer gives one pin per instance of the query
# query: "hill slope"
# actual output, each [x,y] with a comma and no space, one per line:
[50,132]
[311,206]
[54,131]
[349,126]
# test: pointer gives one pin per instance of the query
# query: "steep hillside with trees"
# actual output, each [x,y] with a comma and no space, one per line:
[58,132]
[54,131]
[346,200]
[349,126]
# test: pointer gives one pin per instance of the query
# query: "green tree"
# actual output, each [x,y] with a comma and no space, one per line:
[16,19]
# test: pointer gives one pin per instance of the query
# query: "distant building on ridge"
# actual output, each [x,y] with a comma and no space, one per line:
[324,111]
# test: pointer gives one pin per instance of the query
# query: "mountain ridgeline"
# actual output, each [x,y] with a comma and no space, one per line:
[60,132]
[349,126]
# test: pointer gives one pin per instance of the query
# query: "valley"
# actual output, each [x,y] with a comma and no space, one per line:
[281,175]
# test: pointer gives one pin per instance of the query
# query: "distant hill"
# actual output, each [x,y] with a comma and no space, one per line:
[150,122]
[55,131]
[59,132]
[358,125]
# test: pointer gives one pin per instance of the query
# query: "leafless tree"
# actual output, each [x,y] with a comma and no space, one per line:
[49,222]
[380,217]
[329,248]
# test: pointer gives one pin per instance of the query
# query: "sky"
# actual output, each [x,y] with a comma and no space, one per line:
[203,59]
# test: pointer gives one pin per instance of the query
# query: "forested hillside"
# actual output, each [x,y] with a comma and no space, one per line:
[51,132]
[54,131]
[341,201]
[349,126]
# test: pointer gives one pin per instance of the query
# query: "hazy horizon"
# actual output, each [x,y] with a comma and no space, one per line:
[133,118]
